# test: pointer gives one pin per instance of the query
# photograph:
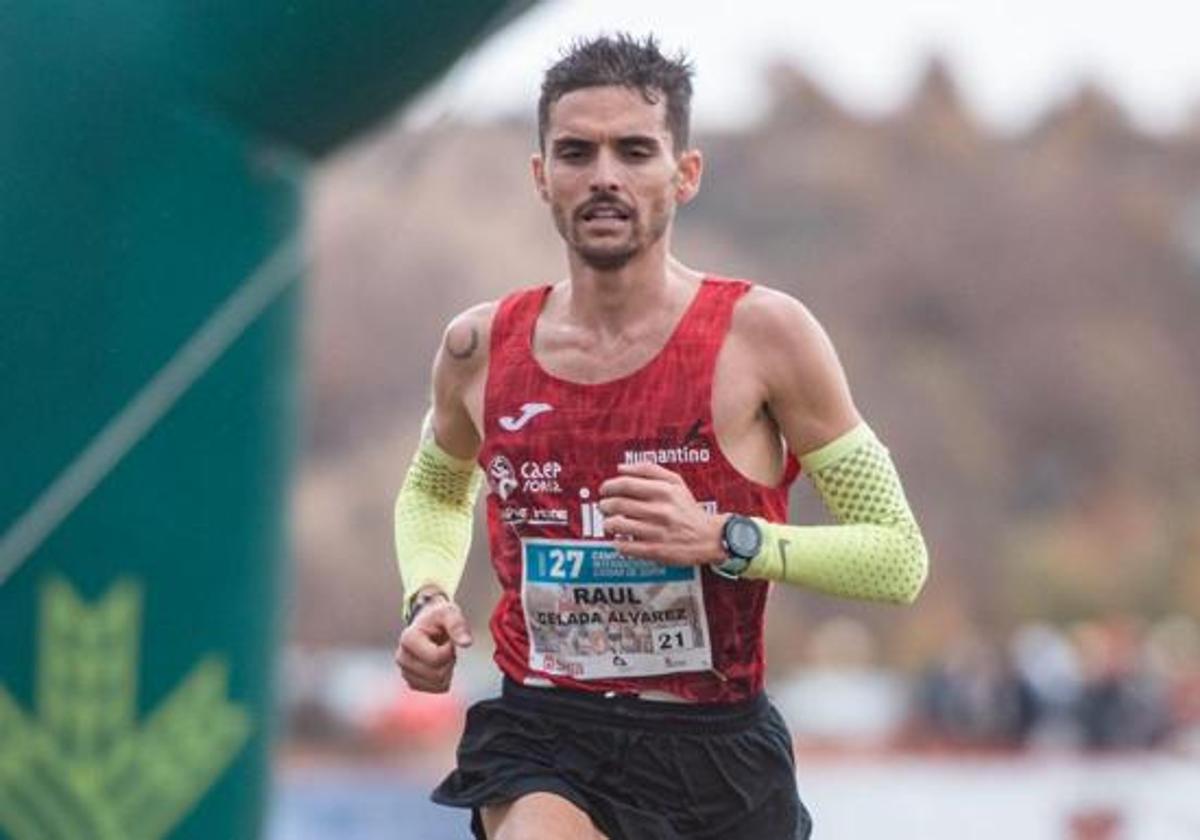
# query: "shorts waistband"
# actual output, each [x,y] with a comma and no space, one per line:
[635,712]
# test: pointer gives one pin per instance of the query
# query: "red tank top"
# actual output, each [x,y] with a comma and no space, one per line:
[549,443]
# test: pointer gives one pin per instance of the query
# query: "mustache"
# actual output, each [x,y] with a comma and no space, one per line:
[596,203]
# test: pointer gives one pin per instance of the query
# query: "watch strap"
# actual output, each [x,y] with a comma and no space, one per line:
[736,562]
[419,601]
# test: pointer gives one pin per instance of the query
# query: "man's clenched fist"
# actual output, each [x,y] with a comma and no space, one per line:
[426,652]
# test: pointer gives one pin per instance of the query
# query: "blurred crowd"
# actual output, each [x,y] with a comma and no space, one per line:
[1111,684]
[1115,683]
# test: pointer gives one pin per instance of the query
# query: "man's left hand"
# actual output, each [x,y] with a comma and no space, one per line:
[652,514]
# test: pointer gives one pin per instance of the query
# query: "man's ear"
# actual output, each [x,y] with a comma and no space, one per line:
[688,171]
[537,164]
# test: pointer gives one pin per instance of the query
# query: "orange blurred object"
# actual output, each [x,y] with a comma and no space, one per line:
[417,718]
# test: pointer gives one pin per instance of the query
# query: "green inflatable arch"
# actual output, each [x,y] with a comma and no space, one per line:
[151,166]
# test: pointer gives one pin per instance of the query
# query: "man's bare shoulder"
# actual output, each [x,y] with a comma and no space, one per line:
[770,321]
[787,349]
[465,341]
[459,373]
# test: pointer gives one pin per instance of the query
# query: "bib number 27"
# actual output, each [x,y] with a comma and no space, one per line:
[565,564]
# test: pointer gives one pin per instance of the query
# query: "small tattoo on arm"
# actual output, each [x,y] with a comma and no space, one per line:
[454,348]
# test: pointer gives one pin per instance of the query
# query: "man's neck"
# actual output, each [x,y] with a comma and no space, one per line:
[612,301]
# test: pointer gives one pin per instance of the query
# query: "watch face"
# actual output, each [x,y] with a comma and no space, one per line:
[743,537]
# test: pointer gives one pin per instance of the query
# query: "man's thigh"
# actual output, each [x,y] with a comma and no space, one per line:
[538,816]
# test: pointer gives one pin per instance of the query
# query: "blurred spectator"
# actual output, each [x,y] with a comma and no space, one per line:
[971,696]
[1047,668]
[1123,704]
[1173,654]
[841,696]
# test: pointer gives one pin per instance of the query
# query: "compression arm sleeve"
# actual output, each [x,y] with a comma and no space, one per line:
[433,518]
[875,552]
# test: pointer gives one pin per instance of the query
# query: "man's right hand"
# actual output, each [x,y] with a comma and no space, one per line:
[427,649]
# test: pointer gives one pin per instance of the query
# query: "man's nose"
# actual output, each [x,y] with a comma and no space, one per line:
[605,174]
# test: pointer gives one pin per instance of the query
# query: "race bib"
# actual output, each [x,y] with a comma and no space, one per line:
[593,614]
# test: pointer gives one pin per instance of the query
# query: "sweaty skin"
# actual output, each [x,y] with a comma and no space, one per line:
[778,380]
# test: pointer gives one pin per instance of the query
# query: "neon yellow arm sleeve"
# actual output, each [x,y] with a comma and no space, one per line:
[433,518]
[876,552]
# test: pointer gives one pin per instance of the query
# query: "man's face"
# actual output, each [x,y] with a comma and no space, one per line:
[610,174]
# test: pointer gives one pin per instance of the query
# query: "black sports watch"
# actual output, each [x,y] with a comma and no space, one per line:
[742,539]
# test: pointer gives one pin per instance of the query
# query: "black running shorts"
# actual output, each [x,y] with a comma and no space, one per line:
[642,770]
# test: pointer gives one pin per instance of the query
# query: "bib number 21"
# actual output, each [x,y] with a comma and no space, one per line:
[676,639]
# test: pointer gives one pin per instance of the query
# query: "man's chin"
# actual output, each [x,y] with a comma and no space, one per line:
[606,259]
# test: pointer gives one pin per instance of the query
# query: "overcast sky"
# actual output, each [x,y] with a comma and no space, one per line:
[1012,57]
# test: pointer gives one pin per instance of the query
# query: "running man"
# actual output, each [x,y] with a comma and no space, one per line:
[637,425]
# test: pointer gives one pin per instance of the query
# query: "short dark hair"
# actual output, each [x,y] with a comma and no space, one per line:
[628,62]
